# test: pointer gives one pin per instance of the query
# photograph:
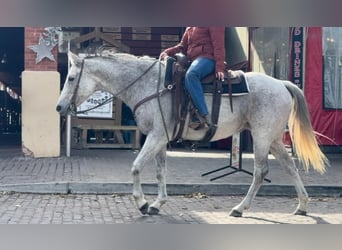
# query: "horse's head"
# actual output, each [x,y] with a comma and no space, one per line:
[77,87]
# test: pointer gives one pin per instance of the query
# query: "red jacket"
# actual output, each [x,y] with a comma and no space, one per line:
[202,41]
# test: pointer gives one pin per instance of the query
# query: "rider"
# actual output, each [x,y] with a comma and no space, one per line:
[205,48]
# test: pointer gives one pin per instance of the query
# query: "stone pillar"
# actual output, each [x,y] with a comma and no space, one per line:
[40,91]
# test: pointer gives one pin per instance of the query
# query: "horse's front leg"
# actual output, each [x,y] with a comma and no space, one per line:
[137,190]
[151,148]
[161,177]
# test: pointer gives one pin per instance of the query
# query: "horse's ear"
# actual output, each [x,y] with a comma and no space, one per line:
[74,59]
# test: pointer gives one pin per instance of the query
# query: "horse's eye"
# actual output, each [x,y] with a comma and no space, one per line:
[71,78]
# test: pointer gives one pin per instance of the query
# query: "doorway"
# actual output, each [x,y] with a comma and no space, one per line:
[11,66]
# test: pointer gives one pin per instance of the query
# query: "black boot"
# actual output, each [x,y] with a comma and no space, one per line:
[195,123]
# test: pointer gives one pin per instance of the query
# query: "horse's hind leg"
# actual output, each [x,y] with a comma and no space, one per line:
[280,153]
[260,171]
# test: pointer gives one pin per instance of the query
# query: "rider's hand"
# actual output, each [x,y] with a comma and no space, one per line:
[162,55]
[220,76]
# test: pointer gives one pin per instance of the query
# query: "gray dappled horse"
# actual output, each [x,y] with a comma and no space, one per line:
[265,111]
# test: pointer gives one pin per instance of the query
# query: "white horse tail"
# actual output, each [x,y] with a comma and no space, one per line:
[302,133]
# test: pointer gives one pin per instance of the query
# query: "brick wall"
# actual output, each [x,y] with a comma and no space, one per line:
[32,38]
[145,40]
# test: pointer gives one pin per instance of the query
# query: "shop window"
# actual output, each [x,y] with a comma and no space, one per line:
[332,67]
[270,47]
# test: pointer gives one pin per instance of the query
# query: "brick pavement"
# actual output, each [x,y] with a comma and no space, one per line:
[16,208]
[94,186]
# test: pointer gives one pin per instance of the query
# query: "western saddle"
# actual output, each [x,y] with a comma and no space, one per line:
[174,78]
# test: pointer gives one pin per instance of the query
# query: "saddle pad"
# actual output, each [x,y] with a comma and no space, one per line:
[239,85]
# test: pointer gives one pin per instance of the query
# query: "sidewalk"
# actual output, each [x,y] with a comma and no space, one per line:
[108,171]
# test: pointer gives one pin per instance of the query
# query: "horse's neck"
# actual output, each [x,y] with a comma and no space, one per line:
[129,89]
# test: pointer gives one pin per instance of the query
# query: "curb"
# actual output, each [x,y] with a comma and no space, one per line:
[173,189]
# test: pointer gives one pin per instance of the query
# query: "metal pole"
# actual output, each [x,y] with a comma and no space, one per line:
[68,135]
[68,120]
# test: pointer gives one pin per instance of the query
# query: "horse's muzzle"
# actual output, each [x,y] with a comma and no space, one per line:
[62,110]
[71,109]
[58,108]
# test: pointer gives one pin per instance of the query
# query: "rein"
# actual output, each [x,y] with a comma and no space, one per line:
[108,100]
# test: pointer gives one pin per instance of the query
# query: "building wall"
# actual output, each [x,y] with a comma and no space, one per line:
[40,91]
[237,45]
[145,40]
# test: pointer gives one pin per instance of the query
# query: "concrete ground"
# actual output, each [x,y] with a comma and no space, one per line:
[108,171]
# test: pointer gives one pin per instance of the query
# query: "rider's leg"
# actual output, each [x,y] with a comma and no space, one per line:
[198,69]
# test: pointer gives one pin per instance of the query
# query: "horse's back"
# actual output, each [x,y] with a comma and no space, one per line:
[268,88]
[259,81]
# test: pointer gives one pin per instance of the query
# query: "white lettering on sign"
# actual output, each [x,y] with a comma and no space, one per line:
[297,31]
[297,60]
[104,111]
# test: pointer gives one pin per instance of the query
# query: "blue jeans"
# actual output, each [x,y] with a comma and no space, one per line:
[199,68]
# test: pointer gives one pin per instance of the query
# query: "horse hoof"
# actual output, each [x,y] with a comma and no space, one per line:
[235,213]
[153,211]
[144,208]
[300,212]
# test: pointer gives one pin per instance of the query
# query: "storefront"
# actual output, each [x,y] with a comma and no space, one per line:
[309,56]
[323,85]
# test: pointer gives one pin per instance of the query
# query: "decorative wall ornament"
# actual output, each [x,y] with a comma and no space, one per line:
[47,41]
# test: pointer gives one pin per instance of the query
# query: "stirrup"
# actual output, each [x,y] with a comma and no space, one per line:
[211,130]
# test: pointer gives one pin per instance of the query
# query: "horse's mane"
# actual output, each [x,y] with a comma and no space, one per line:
[127,56]
[114,54]
[108,52]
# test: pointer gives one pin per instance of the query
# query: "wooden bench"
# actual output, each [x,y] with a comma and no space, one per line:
[105,136]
